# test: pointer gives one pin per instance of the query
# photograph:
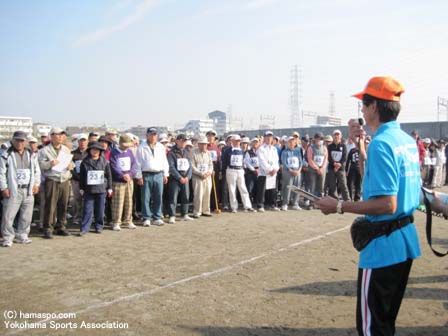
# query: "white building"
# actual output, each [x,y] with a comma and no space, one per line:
[198,127]
[41,128]
[8,125]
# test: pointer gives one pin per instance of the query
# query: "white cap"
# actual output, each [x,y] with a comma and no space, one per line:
[255,139]
[245,140]
[427,140]
[164,139]
[31,138]
[337,131]
[221,143]
[82,136]
[189,143]
[236,137]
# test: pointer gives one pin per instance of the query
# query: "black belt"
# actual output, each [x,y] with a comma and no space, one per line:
[22,186]
[363,231]
[150,172]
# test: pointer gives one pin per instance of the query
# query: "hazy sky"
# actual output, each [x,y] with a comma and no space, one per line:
[163,62]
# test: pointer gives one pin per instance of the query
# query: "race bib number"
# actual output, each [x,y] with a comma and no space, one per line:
[293,162]
[78,166]
[125,163]
[214,155]
[428,161]
[95,177]
[433,161]
[254,162]
[236,160]
[319,160]
[183,164]
[336,156]
[443,159]
[23,176]
[203,168]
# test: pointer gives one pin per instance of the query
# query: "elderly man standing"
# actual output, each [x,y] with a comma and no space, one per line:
[152,174]
[123,167]
[78,155]
[19,182]
[267,178]
[317,155]
[180,174]
[202,166]
[232,162]
[55,161]
[337,156]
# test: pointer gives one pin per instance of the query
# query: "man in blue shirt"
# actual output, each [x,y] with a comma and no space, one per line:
[391,189]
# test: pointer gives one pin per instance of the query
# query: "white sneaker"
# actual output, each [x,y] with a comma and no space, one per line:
[307,203]
[147,222]
[116,228]
[234,211]
[24,241]
[274,208]
[296,207]
[187,218]
[7,243]
[250,210]
[284,208]
[172,220]
[261,210]
[132,226]
[158,222]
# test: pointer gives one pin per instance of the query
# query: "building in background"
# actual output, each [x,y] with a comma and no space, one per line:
[8,125]
[197,127]
[220,122]
[40,128]
[328,121]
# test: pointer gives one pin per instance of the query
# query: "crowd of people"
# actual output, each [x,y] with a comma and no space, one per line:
[116,179]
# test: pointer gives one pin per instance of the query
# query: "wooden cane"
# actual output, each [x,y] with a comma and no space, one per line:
[217,210]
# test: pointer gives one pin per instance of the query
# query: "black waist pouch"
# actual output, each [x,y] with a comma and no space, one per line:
[363,231]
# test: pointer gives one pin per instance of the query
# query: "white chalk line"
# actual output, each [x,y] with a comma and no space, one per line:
[185,280]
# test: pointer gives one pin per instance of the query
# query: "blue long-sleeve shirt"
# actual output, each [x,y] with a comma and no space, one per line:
[121,163]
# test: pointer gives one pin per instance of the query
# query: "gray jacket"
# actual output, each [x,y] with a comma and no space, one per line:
[48,154]
[8,172]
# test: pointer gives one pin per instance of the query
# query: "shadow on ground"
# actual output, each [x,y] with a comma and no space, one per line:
[348,288]
[281,331]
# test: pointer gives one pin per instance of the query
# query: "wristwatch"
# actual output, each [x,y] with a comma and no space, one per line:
[339,209]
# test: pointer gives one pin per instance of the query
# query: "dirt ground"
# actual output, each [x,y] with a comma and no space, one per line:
[288,273]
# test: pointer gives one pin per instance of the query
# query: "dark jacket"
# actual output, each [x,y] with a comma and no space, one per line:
[336,153]
[89,164]
[175,154]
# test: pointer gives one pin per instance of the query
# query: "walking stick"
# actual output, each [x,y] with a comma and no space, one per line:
[217,210]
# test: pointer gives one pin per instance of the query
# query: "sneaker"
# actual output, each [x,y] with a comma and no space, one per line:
[116,228]
[132,226]
[274,208]
[260,209]
[284,208]
[307,203]
[187,218]
[172,220]
[24,241]
[226,208]
[207,214]
[7,243]
[82,233]
[48,235]
[158,222]
[234,211]
[69,216]
[147,222]
[196,216]
[64,233]
[297,207]
[75,221]
[250,210]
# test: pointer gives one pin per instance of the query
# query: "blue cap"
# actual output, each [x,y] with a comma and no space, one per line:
[151,130]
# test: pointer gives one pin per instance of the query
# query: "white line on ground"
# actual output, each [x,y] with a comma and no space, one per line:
[185,280]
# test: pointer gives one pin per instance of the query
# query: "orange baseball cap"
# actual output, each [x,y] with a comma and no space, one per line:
[385,88]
